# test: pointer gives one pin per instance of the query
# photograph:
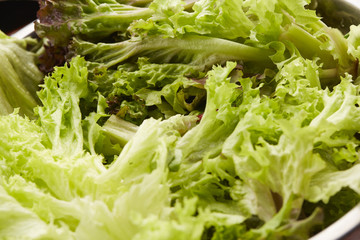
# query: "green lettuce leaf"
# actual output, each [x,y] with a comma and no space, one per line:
[60,115]
[19,75]
[201,51]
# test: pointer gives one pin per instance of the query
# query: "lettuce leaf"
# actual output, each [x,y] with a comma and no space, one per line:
[60,20]
[19,75]
[147,89]
[201,51]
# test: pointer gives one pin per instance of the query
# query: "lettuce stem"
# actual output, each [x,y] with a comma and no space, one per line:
[308,45]
[193,49]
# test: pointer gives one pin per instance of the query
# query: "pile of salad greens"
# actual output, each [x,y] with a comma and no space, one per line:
[171,119]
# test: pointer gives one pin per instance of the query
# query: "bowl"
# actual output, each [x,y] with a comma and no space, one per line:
[340,14]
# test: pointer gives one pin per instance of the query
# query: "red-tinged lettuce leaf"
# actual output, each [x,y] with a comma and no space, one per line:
[61,20]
